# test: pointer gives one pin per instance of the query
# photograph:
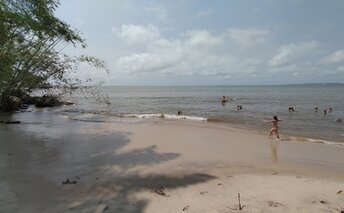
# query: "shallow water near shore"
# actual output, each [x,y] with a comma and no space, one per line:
[203,104]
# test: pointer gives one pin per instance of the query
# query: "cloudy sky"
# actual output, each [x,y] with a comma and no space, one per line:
[211,42]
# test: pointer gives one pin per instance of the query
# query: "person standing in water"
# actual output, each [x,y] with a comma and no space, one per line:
[274,129]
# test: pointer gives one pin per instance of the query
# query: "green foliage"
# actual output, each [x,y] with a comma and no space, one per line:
[29,59]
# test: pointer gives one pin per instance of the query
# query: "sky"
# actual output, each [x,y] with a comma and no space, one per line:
[210,42]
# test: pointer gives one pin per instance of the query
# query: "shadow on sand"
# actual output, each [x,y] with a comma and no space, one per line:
[107,179]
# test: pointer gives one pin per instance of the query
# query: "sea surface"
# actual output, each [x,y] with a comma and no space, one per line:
[203,104]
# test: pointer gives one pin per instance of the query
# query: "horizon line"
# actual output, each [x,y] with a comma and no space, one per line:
[221,85]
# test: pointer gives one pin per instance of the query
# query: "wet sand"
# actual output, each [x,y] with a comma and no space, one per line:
[161,166]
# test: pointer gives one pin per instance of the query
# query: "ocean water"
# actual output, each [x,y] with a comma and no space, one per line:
[203,104]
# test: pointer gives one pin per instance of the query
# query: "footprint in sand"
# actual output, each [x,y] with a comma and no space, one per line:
[203,192]
[308,180]
[274,173]
[323,201]
[320,201]
[272,203]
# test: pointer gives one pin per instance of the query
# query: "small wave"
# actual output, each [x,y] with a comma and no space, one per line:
[311,140]
[106,116]
[167,116]
[193,118]
[324,142]
[143,115]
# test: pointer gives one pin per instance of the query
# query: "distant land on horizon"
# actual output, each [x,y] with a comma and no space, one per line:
[294,84]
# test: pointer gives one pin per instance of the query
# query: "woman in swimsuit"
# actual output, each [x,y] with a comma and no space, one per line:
[274,128]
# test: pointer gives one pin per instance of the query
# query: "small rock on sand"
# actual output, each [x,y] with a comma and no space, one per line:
[186,208]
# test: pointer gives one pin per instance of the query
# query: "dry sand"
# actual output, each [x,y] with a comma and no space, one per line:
[163,167]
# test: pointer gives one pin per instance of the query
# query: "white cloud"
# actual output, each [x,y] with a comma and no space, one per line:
[195,52]
[204,13]
[207,53]
[203,38]
[189,37]
[334,62]
[248,37]
[144,63]
[336,57]
[137,34]
[293,53]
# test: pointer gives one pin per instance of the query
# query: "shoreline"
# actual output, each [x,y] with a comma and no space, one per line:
[109,117]
[161,167]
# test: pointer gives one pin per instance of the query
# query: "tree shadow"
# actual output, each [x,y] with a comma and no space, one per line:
[119,194]
[89,157]
[136,157]
[116,189]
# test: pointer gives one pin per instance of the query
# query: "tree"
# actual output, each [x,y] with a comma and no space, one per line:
[29,57]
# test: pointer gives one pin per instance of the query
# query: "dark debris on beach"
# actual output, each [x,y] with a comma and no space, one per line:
[9,122]
[160,190]
[73,181]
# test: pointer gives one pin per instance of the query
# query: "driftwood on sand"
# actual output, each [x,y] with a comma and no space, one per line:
[9,122]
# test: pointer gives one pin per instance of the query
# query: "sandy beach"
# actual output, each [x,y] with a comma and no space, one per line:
[131,106]
[161,166]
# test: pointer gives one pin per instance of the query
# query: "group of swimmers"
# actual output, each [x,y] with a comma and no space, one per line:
[275,120]
[316,109]
[325,110]
[224,101]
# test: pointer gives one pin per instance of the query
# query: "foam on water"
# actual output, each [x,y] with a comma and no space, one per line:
[184,117]
[143,115]
[167,116]
[108,116]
